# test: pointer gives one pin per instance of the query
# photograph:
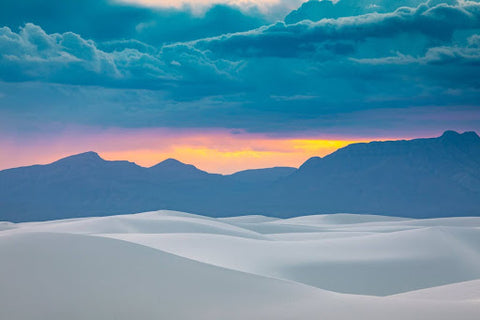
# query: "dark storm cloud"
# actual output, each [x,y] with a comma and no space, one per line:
[103,20]
[315,10]
[438,22]
[284,76]
[32,54]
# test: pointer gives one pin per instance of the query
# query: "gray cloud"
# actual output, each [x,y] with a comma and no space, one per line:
[287,40]
[106,20]
[276,77]
[32,54]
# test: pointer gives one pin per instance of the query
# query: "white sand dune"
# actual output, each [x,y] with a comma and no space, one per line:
[148,222]
[172,265]
[468,290]
[6,225]
[63,276]
[339,219]
[381,264]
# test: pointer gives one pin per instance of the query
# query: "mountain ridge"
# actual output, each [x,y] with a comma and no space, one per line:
[448,135]
[428,177]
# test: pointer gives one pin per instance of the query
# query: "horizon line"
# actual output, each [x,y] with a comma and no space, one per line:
[103,157]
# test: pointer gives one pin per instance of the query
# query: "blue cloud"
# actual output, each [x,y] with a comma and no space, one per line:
[320,71]
[316,10]
[438,23]
[32,54]
[104,20]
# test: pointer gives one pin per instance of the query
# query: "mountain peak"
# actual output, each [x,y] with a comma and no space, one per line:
[450,134]
[84,157]
[170,163]
[174,169]
[469,136]
[173,164]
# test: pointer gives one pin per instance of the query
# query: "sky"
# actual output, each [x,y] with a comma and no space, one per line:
[229,85]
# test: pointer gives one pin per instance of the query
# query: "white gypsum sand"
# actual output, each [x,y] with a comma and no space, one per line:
[173,265]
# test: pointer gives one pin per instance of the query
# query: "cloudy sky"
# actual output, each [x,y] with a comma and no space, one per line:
[231,84]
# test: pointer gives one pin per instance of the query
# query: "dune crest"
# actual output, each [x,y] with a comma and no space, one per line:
[169,264]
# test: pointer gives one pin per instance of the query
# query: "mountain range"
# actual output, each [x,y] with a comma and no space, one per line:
[420,178]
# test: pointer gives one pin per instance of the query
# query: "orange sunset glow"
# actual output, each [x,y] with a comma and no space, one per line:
[216,151]
[230,159]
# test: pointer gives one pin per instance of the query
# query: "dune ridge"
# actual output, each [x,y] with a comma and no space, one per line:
[177,265]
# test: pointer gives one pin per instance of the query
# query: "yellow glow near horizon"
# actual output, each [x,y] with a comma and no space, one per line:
[281,152]
[216,150]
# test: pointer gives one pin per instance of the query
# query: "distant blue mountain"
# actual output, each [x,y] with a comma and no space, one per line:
[417,178]
[433,177]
